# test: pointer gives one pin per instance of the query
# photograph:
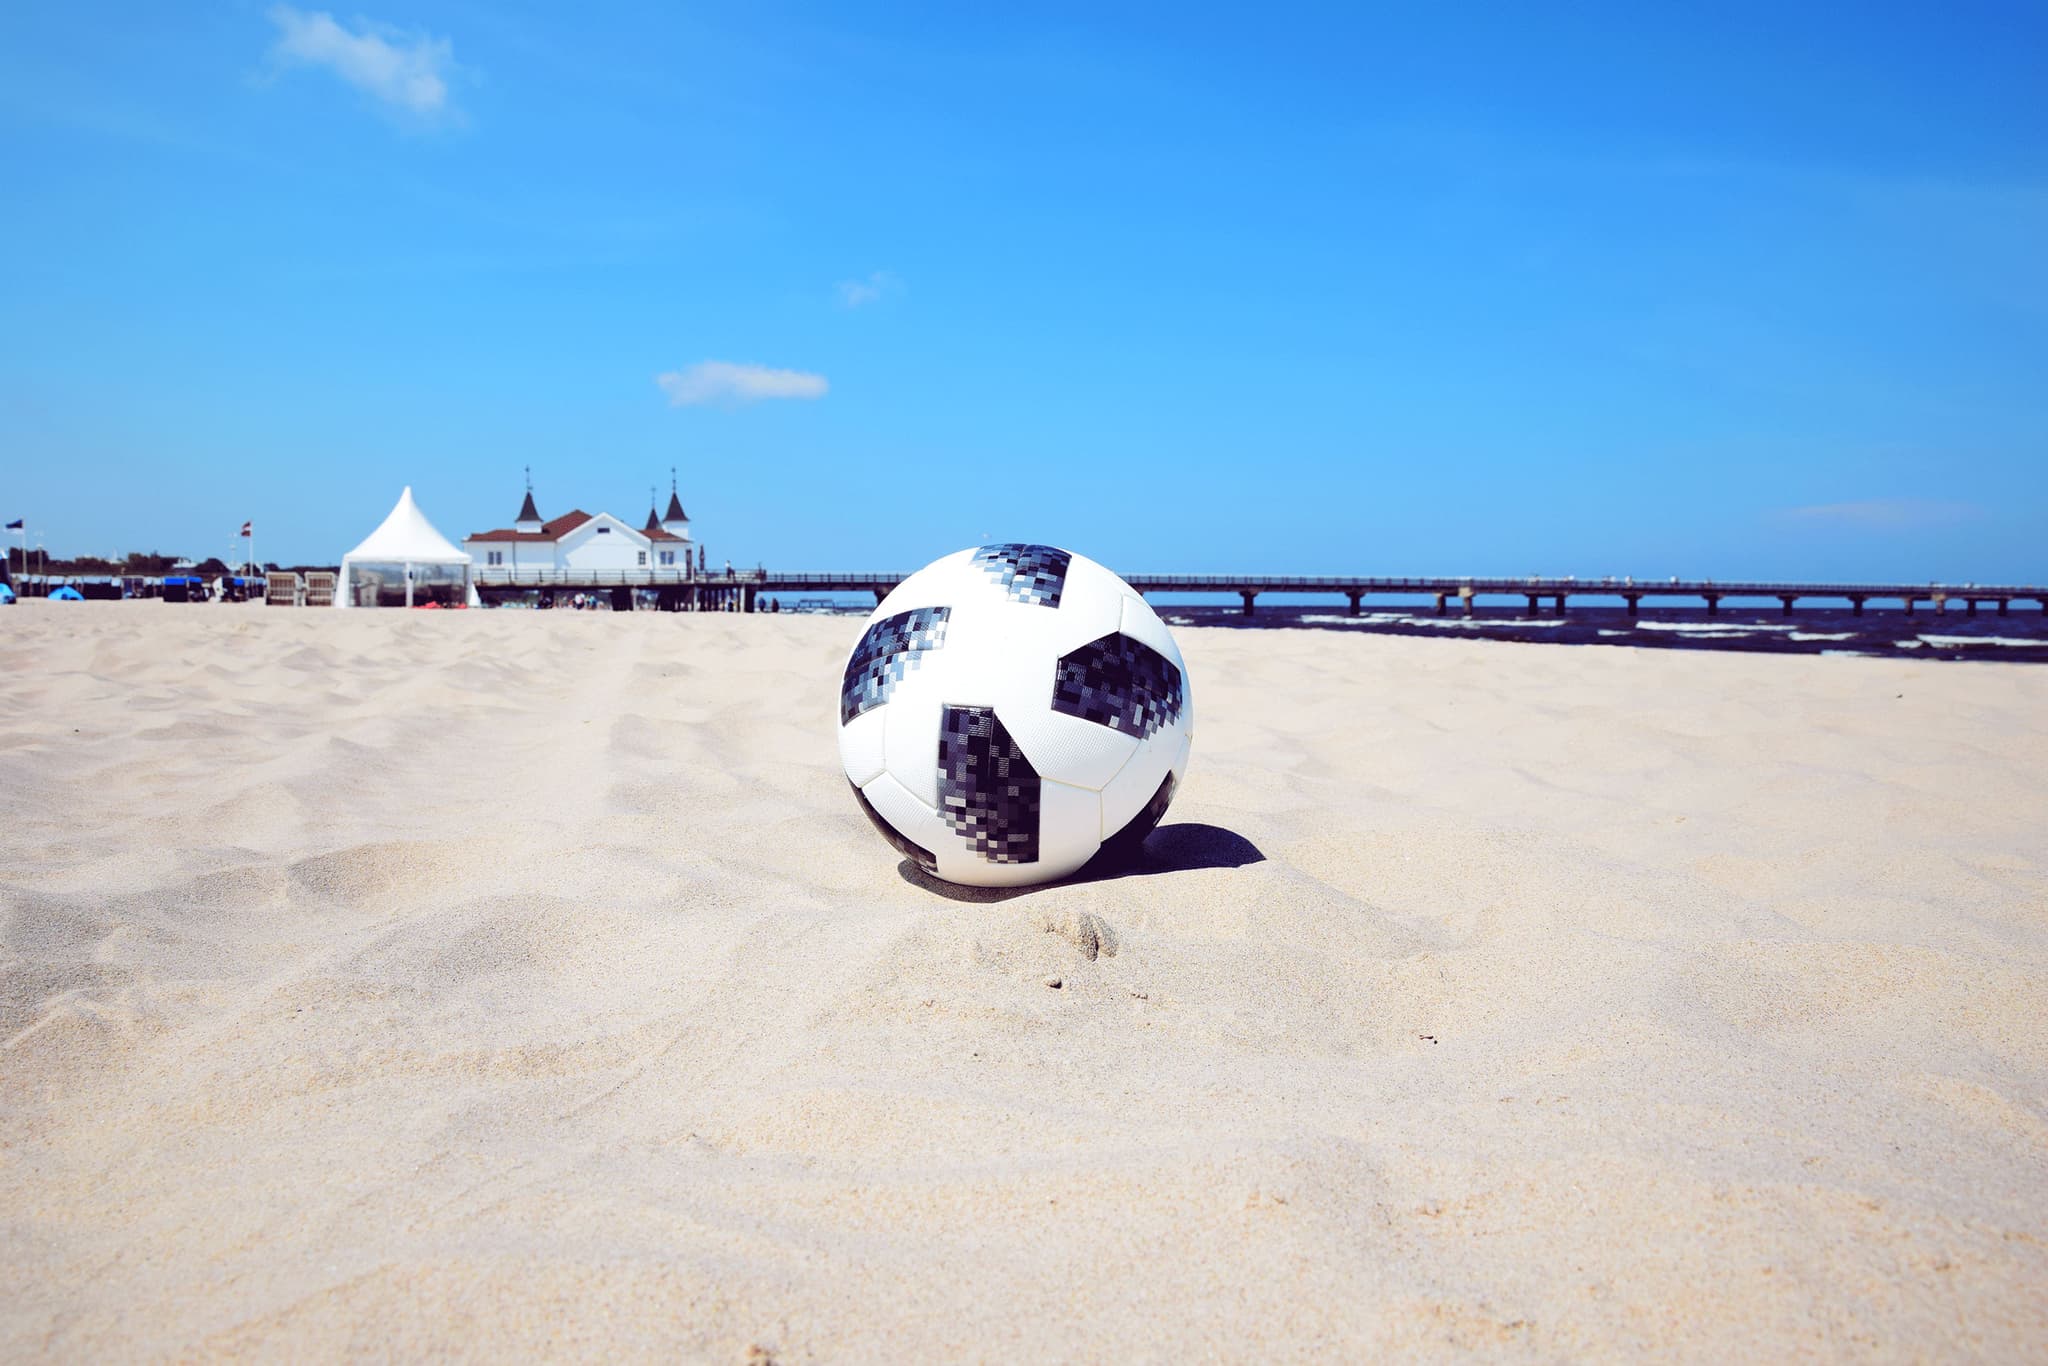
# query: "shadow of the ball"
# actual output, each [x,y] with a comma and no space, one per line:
[1169,849]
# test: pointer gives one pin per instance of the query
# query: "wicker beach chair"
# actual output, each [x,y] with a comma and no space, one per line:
[319,588]
[284,589]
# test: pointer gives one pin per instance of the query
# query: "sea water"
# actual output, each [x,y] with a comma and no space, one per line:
[2021,634]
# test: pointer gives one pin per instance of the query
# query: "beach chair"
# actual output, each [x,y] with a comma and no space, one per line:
[283,590]
[319,588]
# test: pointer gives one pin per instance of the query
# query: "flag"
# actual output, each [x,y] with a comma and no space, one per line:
[14,525]
[249,528]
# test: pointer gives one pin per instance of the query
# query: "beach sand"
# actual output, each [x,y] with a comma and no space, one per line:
[489,983]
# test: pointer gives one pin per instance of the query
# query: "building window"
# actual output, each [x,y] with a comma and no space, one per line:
[668,557]
[604,531]
[497,557]
[643,557]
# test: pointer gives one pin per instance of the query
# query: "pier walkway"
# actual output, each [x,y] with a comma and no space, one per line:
[739,590]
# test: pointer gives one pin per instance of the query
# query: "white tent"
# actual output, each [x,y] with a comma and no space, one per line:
[405,543]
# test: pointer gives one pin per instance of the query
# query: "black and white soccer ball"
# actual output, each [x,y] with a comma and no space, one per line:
[1009,711]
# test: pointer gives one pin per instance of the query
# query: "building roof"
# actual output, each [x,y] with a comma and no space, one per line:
[527,511]
[675,511]
[549,531]
[654,531]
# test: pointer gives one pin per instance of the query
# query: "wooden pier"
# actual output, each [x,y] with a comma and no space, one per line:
[741,590]
[1633,592]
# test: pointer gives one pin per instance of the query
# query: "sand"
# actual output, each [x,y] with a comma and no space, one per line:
[487,983]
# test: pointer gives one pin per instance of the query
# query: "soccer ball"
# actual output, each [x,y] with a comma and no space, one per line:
[1010,711]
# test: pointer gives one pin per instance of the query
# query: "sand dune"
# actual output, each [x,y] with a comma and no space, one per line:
[505,982]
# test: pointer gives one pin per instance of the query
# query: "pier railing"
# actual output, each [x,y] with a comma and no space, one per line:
[741,587]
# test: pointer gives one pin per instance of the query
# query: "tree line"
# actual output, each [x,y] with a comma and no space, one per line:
[146,563]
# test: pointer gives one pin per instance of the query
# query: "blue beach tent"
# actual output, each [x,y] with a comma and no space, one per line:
[6,595]
[67,594]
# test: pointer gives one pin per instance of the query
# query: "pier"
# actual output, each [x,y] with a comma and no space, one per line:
[1557,592]
[740,590]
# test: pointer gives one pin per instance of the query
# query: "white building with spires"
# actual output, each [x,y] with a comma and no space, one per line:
[537,548]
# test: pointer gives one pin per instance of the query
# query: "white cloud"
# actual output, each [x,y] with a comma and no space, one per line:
[721,381]
[407,72]
[854,293]
[1886,513]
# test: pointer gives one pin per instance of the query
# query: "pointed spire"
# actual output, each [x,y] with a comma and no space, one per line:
[653,521]
[675,511]
[527,511]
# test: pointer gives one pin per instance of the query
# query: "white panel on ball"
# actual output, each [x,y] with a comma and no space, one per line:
[938,584]
[910,818]
[1070,820]
[911,740]
[1125,795]
[860,746]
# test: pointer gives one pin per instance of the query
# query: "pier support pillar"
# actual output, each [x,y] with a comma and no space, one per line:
[1787,599]
[1440,608]
[1941,604]
[1971,610]
[1354,601]
[1559,604]
[2003,604]
[1532,604]
[1856,607]
[1911,603]
[1465,597]
[1635,607]
[1713,604]
[1247,601]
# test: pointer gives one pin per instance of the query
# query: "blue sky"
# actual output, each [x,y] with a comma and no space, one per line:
[1407,289]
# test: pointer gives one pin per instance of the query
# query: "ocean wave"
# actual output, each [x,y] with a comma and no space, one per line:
[1439,623]
[2009,642]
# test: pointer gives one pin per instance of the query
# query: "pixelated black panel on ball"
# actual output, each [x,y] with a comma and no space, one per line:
[988,790]
[1121,683]
[1031,574]
[892,647]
